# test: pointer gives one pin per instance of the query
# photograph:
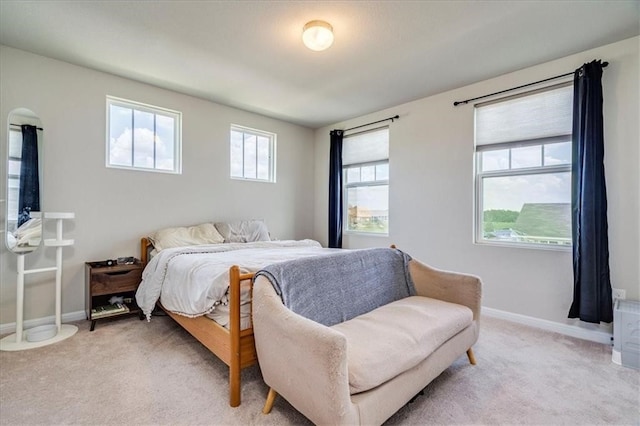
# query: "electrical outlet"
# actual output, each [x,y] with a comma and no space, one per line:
[618,293]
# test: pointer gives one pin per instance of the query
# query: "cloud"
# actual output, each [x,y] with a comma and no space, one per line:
[511,192]
[120,150]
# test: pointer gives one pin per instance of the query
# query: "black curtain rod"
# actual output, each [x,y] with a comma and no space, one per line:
[20,125]
[604,65]
[395,117]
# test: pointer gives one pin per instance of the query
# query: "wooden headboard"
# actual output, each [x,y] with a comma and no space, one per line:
[145,247]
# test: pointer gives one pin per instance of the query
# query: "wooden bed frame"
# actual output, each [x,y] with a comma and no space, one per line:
[233,346]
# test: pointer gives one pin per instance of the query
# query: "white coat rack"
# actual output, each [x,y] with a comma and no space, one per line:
[44,334]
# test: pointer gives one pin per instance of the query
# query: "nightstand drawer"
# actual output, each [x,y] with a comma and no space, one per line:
[116,281]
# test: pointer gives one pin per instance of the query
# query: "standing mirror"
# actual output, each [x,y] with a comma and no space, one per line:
[24,182]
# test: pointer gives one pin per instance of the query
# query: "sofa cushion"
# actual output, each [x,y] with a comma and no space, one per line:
[395,337]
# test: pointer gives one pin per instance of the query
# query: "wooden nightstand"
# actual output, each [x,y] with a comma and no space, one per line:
[103,282]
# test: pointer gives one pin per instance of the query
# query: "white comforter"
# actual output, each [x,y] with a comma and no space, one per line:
[192,281]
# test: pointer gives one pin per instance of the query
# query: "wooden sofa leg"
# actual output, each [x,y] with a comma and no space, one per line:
[271,398]
[472,358]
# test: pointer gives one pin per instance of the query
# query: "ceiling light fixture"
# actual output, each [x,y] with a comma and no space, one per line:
[317,35]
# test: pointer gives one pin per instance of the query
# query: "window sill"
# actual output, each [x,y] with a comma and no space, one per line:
[144,169]
[547,247]
[365,234]
[252,180]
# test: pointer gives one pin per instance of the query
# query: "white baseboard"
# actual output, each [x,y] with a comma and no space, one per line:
[593,335]
[584,331]
[68,317]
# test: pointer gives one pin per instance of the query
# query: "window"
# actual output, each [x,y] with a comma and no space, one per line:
[365,165]
[523,169]
[13,175]
[252,154]
[143,137]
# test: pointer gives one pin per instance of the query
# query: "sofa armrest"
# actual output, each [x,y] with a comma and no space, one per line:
[304,361]
[454,287]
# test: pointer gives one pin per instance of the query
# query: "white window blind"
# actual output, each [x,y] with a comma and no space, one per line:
[366,147]
[542,114]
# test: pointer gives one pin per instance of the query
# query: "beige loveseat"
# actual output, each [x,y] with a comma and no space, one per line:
[362,370]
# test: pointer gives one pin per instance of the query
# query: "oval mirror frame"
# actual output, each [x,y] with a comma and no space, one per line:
[23,182]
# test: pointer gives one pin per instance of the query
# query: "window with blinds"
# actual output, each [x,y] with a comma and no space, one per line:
[365,164]
[523,169]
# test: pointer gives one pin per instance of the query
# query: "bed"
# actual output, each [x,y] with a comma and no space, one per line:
[213,315]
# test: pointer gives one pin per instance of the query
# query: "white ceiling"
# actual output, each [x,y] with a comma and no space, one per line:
[249,54]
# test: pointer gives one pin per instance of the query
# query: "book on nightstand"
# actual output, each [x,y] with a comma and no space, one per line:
[108,310]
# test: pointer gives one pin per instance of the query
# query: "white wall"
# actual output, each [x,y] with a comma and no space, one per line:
[431,189]
[113,207]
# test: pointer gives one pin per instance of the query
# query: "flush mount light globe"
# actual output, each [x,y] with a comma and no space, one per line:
[317,35]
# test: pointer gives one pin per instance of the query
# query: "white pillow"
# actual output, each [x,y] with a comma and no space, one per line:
[29,233]
[243,231]
[205,233]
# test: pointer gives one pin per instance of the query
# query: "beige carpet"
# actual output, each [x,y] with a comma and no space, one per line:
[133,372]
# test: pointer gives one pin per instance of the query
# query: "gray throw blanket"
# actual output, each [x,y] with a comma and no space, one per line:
[337,287]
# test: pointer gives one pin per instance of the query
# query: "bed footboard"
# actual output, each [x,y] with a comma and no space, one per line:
[234,347]
[242,355]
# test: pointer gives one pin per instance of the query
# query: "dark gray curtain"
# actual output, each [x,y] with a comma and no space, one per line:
[335,189]
[29,195]
[591,281]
